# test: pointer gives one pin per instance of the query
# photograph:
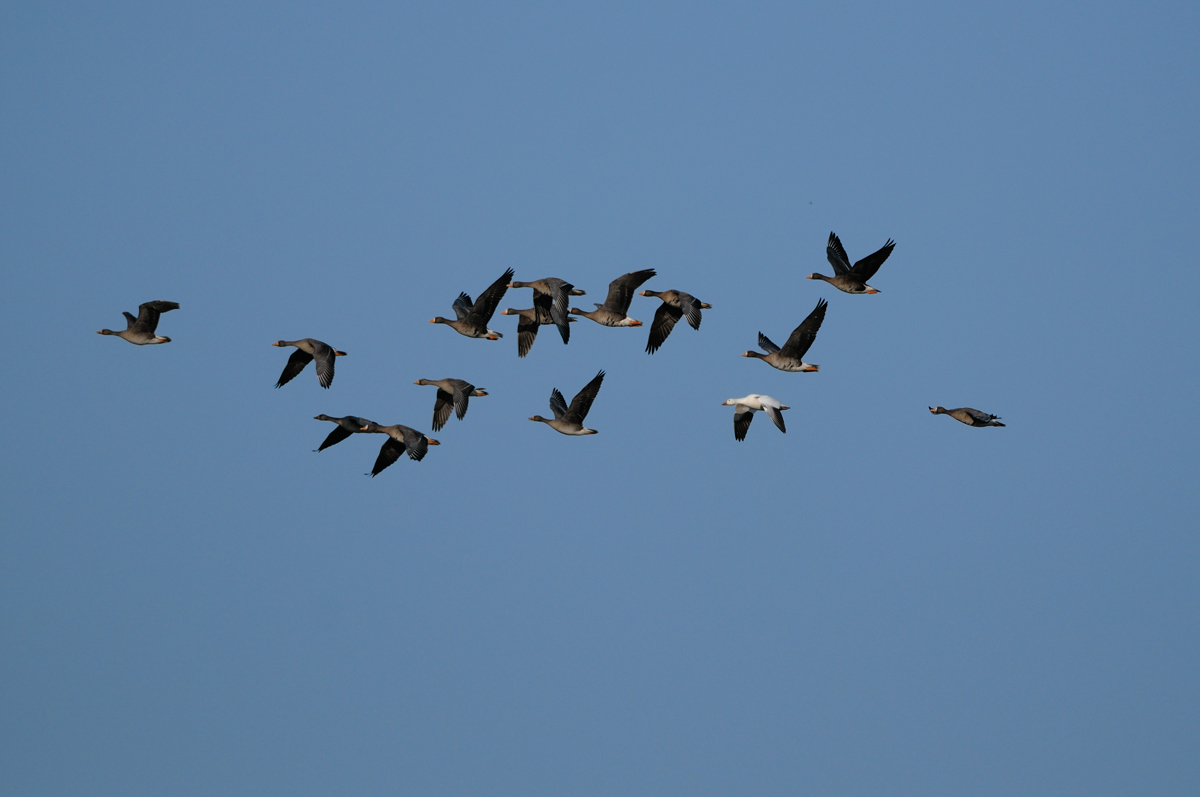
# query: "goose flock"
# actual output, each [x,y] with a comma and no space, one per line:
[551,306]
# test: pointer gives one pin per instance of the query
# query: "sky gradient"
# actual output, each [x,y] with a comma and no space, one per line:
[879,601]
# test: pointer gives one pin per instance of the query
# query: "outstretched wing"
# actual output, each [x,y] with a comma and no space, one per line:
[691,308]
[526,334]
[462,306]
[463,391]
[295,365]
[338,434]
[802,337]
[560,298]
[836,256]
[664,321]
[325,359]
[766,345]
[389,452]
[583,400]
[775,415]
[485,305]
[416,443]
[742,415]
[148,313]
[441,409]
[865,269]
[622,289]
[558,404]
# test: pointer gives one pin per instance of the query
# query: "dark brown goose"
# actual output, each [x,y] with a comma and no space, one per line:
[791,356]
[852,279]
[675,305]
[308,350]
[140,331]
[527,327]
[551,294]
[969,416]
[401,440]
[452,394]
[613,313]
[473,318]
[569,420]
[347,426]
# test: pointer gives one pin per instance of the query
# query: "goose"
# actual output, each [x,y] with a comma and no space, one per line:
[675,305]
[473,319]
[745,407]
[790,357]
[569,420]
[620,293]
[347,426]
[852,279]
[401,440]
[307,350]
[969,416]
[452,393]
[552,293]
[527,327]
[140,331]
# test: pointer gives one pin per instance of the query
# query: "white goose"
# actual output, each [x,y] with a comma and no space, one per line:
[745,408]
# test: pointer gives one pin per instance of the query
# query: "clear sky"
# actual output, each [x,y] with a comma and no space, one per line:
[879,601]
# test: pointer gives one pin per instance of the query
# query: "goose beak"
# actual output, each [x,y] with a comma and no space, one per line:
[705,306]
[339,353]
[810,276]
[274,344]
[432,442]
[641,293]
[433,320]
[872,290]
[635,323]
[493,337]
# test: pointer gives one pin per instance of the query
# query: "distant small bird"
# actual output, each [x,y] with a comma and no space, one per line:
[613,313]
[969,416]
[452,394]
[307,350]
[745,407]
[550,294]
[852,279]
[675,305]
[527,327]
[401,440]
[473,318]
[569,420]
[791,356]
[140,331]
[347,426]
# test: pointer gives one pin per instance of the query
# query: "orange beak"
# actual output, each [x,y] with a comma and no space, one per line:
[872,290]
[433,442]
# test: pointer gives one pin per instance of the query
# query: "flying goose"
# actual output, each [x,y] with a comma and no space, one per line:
[969,416]
[852,279]
[790,357]
[620,293]
[675,305]
[473,319]
[745,407]
[401,440]
[140,331]
[552,293]
[452,394]
[569,420]
[307,350]
[347,426]
[527,327]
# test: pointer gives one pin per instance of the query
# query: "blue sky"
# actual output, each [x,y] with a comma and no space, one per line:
[191,601]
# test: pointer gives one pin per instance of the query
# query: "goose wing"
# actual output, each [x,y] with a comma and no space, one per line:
[802,337]
[558,404]
[865,269]
[558,301]
[664,321]
[691,308]
[463,390]
[441,409]
[981,417]
[766,345]
[148,313]
[416,443]
[462,306]
[324,357]
[389,452]
[742,416]
[295,365]
[836,256]
[338,434]
[527,329]
[622,289]
[485,305]
[774,412]
[583,400]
